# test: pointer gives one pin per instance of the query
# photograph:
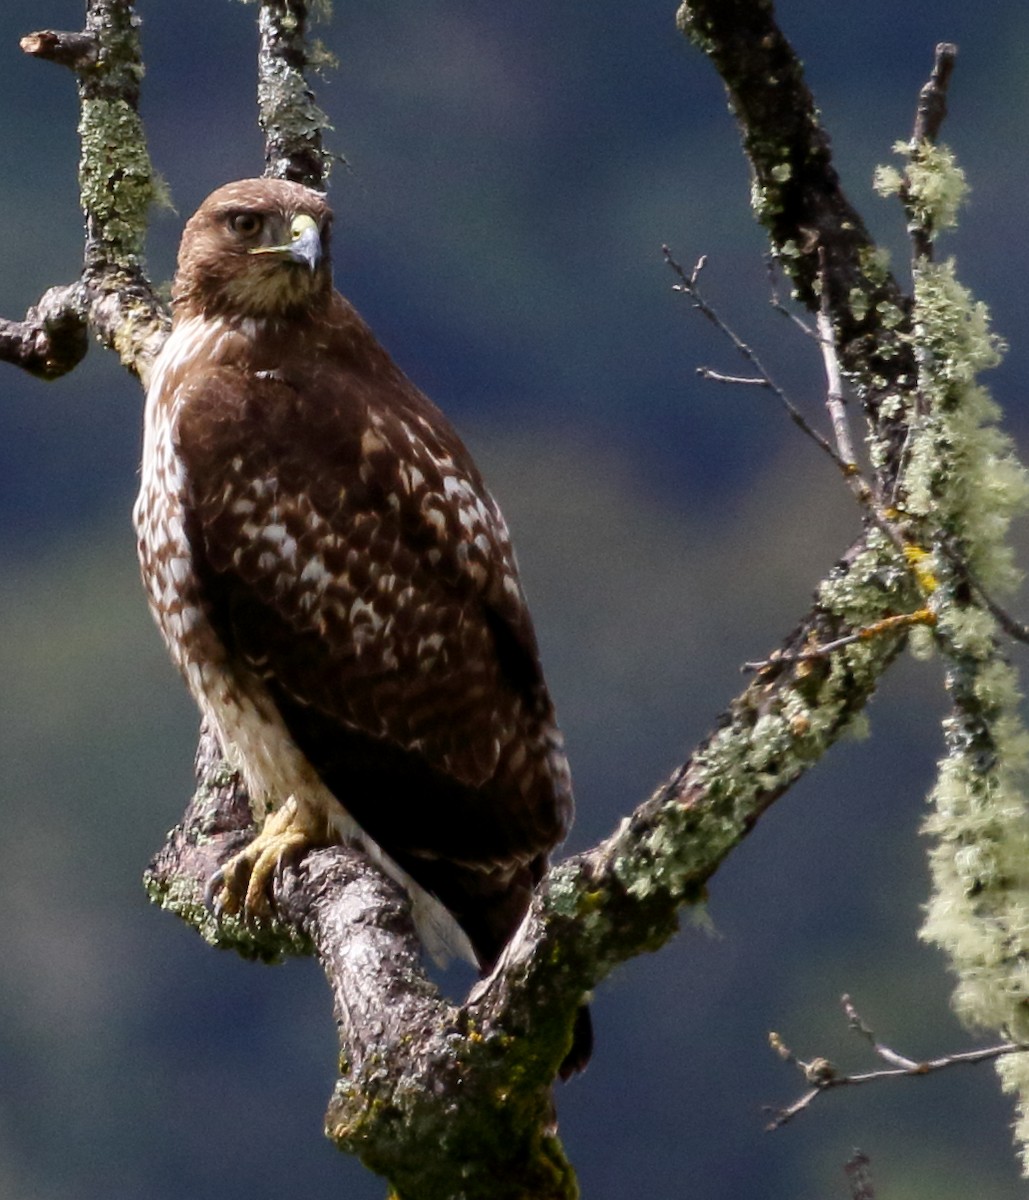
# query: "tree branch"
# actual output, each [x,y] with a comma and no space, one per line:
[494,1057]
[292,122]
[113,298]
[473,1080]
[823,1076]
[53,338]
[797,194]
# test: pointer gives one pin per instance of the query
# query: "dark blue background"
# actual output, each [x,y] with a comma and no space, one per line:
[513,171]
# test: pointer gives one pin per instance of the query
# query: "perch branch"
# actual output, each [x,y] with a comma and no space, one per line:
[494,1056]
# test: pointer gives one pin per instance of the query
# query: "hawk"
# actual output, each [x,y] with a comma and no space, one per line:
[338,588]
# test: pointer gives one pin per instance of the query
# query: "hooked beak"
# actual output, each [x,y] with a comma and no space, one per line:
[305,241]
[304,245]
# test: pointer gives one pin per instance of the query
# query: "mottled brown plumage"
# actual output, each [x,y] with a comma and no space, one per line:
[336,583]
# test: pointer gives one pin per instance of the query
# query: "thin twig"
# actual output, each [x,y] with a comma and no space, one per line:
[932,100]
[822,1075]
[888,625]
[1015,629]
[834,399]
[842,454]
[781,308]
[740,380]
[688,285]
[932,108]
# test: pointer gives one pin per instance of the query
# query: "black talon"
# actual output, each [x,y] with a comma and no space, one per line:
[212,893]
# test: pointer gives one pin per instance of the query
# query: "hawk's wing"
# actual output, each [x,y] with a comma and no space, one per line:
[354,561]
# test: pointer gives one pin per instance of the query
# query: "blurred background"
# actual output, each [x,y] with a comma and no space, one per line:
[512,172]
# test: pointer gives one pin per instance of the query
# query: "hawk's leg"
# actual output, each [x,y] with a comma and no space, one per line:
[242,884]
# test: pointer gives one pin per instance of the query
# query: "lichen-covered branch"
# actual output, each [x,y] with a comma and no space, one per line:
[489,1063]
[963,483]
[113,298]
[960,485]
[815,232]
[292,122]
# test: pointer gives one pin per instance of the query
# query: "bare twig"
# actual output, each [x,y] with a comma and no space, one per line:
[777,304]
[929,116]
[932,100]
[1016,630]
[834,398]
[886,626]
[842,454]
[823,1076]
[739,380]
[689,286]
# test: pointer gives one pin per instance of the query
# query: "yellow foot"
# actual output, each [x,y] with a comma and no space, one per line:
[242,884]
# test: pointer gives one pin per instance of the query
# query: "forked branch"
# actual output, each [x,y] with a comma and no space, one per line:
[823,1076]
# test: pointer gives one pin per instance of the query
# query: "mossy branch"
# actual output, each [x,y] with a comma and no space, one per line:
[950,475]
[473,1080]
[817,235]
[113,298]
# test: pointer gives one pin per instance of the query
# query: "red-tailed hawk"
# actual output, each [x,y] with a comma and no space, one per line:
[337,585]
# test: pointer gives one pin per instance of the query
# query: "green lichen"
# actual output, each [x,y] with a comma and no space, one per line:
[115,177]
[874,262]
[321,59]
[979,910]
[887,180]
[961,486]
[688,24]
[962,470]
[859,303]
[932,185]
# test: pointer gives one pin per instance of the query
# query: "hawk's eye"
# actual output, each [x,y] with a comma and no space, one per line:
[246,224]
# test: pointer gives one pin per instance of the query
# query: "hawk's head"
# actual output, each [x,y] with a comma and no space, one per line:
[256,248]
